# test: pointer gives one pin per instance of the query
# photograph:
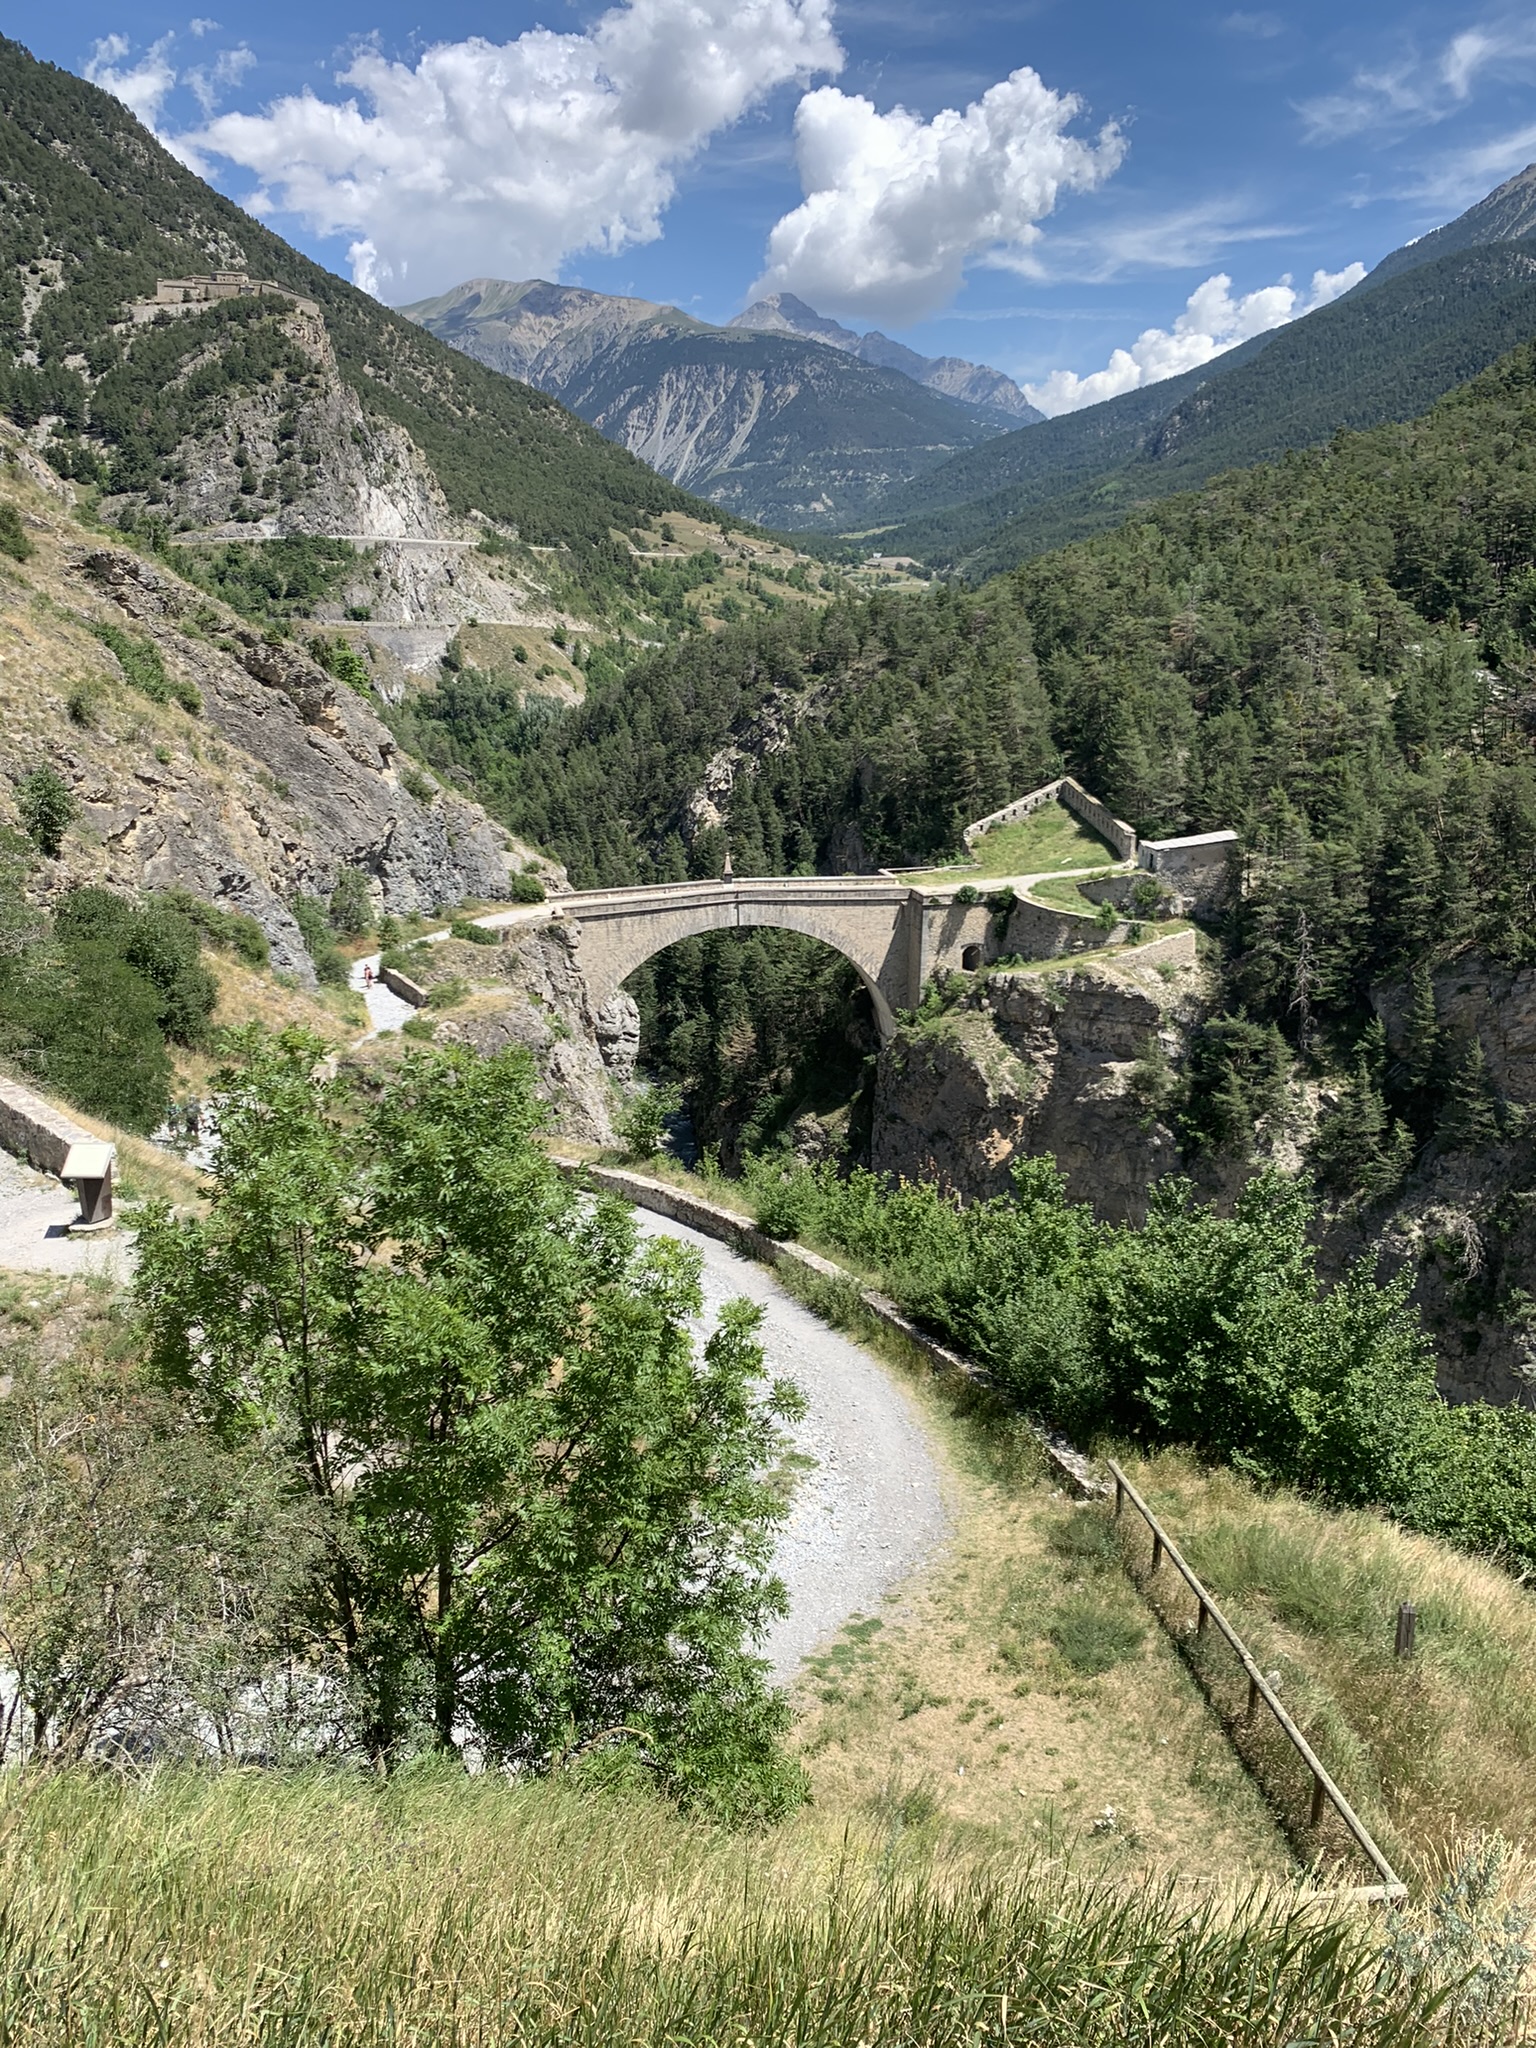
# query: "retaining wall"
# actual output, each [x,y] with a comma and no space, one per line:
[1067,791]
[401,985]
[36,1131]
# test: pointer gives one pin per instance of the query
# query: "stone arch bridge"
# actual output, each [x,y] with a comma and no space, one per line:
[896,936]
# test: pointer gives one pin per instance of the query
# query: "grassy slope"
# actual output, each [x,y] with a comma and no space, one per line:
[1052,837]
[1429,1749]
[181,1910]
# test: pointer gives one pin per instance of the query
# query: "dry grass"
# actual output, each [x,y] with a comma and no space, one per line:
[1426,1748]
[1016,1689]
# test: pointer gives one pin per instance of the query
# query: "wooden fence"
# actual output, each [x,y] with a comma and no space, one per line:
[1208,1614]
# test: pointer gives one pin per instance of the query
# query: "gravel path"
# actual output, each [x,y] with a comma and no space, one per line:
[872,1509]
[35,1214]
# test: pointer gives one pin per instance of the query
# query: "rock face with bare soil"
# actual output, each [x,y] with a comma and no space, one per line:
[280,779]
[1038,1060]
[529,991]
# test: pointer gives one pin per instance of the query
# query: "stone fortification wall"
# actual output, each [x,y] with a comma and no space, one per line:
[1010,814]
[35,1131]
[1200,870]
[1064,790]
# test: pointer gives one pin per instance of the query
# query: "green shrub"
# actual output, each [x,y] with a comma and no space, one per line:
[156,940]
[48,808]
[232,930]
[526,888]
[313,919]
[445,994]
[342,660]
[417,785]
[1196,1328]
[88,1027]
[351,907]
[642,1123]
[85,700]
[87,1010]
[473,934]
[419,1027]
[13,535]
[140,662]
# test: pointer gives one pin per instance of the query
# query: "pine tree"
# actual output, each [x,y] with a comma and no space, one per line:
[1470,1119]
[1421,1035]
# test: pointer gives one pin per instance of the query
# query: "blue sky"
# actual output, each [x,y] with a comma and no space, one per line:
[1038,185]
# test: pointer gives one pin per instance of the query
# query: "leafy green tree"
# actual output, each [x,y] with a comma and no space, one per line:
[152,1579]
[158,941]
[351,908]
[47,806]
[549,1518]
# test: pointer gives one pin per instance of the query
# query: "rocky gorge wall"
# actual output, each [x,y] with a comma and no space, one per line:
[1050,1059]
[1039,1059]
[529,991]
[280,780]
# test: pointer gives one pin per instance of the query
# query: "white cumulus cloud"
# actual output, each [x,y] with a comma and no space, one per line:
[896,206]
[504,158]
[143,83]
[1212,321]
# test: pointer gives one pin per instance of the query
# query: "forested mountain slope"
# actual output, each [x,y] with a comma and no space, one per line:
[96,211]
[1375,355]
[1334,654]
[774,426]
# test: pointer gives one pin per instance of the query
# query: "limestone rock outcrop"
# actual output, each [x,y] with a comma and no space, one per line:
[529,991]
[280,780]
[1038,1060]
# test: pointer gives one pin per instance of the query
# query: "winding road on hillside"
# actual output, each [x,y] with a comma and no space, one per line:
[870,1509]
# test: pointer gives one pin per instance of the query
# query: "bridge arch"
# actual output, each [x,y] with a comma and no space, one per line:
[875,924]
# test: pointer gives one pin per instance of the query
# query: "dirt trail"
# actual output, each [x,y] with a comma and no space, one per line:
[871,1509]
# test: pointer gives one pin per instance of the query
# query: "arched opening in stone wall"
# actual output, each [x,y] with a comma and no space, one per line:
[769,1033]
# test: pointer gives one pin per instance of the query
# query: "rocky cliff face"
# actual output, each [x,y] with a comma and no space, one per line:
[281,779]
[1044,1060]
[529,991]
[1465,1221]
[1033,1060]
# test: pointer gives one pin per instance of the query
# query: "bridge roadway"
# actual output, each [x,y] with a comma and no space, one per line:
[895,935]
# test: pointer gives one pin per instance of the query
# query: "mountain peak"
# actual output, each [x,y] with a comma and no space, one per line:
[995,396]
[1507,214]
[783,313]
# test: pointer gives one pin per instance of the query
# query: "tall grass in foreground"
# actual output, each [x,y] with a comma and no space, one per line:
[257,1908]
